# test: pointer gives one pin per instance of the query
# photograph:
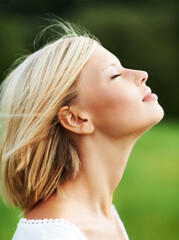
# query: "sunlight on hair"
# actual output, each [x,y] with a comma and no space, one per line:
[36,154]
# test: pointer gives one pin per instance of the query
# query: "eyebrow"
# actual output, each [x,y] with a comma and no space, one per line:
[113,64]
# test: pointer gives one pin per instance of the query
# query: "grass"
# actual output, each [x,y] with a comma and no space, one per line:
[147,197]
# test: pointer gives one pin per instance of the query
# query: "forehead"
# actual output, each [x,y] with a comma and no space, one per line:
[101,59]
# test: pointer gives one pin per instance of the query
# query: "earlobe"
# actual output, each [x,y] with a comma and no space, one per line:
[75,122]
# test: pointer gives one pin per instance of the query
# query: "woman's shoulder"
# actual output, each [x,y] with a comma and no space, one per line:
[47,229]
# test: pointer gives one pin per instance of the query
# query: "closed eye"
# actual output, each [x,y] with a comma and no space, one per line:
[115,76]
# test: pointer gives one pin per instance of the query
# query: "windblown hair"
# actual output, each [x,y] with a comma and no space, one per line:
[36,154]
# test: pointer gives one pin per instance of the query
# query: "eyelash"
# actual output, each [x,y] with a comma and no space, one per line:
[115,76]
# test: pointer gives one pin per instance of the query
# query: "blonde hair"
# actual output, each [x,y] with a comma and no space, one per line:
[36,154]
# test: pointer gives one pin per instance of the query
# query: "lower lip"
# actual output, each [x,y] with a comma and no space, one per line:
[151,97]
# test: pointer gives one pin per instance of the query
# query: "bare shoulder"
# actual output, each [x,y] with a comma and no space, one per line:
[56,208]
[45,209]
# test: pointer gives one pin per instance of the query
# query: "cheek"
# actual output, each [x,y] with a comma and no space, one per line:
[113,110]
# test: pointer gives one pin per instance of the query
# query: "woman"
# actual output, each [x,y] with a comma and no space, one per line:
[71,114]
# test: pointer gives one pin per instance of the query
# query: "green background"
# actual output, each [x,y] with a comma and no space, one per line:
[143,35]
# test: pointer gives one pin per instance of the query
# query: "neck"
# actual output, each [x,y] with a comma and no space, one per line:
[102,165]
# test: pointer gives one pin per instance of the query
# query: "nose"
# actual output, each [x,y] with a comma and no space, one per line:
[141,77]
[136,76]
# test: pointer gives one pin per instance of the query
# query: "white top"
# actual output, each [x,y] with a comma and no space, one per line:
[53,229]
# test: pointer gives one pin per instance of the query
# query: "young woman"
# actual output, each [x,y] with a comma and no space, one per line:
[70,115]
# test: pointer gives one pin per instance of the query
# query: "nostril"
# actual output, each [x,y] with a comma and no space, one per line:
[144,79]
[145,76]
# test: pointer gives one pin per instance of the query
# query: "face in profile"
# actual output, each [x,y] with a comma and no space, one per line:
[117,99]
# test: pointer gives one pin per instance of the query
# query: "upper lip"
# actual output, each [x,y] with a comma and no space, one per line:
[147,93]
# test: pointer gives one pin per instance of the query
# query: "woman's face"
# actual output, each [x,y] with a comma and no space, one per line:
[117,99]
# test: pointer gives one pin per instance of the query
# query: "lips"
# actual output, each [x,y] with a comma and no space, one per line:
[149,96]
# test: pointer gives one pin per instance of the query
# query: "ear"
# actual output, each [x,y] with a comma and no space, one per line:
[73,120]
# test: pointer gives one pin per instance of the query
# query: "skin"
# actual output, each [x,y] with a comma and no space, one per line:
[105,122]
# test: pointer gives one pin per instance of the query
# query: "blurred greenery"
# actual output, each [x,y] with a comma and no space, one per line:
[147,197]
[143,34]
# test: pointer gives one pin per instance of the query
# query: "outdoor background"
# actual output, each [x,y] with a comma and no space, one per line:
[143,35]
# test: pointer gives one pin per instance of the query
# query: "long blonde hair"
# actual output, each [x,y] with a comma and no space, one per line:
[36,154]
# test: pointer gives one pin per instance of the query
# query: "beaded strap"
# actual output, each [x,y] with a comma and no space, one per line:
[58,220]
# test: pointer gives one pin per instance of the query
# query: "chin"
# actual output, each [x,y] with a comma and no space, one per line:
[156,115]
[152,118]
